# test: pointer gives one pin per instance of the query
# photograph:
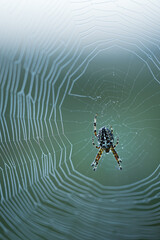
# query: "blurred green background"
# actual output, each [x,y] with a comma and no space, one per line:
[61,62]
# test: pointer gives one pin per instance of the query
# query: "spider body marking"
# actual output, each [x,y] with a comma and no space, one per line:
[105,140]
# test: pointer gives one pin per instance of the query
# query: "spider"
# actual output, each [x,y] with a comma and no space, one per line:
[106,143]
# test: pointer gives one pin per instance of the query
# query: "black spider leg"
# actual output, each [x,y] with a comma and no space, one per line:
[94,143]
[116,157]
[95,131]
[95,127]
[96,161]
[111,130]
[116,142]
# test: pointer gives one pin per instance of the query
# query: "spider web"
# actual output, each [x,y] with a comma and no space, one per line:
[62,62]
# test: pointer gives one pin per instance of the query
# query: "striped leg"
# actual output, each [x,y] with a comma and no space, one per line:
[111,129]
[116,143]
[94,143]
[95,129]
[95,162]
[116,157]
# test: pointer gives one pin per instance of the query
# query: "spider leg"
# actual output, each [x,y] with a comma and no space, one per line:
[116,157]
[94,143]
[111,129]
[116,143]
[95,129]
[95,162]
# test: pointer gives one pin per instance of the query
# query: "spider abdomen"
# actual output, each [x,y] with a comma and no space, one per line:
[105,138]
